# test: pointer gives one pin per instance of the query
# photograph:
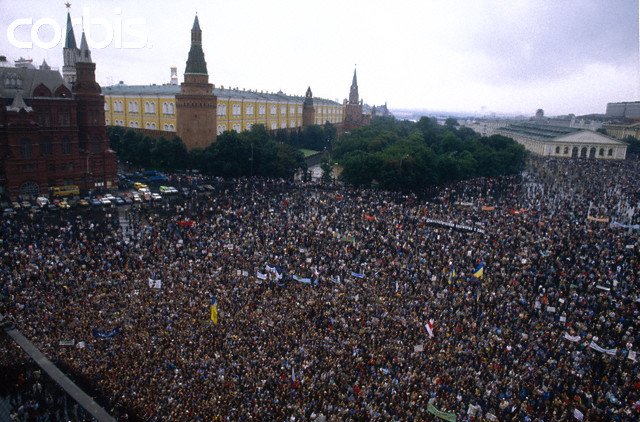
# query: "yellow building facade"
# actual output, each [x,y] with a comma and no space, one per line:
[154,107]
[141,107]
[200,111]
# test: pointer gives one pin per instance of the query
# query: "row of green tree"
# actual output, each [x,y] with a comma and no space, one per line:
[410,155]
[252,152]
[390,153]
[312,137]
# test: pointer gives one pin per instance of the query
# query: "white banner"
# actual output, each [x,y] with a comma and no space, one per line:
[594,346]
[574,339]
[578,414]
[429,326]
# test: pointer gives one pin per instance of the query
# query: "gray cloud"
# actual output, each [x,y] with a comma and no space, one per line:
[556,39]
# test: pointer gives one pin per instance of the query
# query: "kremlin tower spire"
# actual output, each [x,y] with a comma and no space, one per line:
[353,93]
[195,61]
[308,111]
[70,53]
[196,105]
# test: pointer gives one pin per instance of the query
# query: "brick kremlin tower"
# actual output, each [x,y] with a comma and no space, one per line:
[353,108]
[308,111]
[196,105]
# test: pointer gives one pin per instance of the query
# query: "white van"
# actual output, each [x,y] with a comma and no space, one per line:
[42,201]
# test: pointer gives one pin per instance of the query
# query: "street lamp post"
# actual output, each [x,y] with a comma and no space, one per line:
[402,158]
[251,159]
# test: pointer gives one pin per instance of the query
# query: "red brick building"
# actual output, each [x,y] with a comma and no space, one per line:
[52,130]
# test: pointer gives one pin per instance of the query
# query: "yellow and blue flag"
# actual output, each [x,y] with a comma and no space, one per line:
[479,271]
[452,274]
[214,310]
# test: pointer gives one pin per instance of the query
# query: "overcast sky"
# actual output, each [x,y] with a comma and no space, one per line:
[505,56]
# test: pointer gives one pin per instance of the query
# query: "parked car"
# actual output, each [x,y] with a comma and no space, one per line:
[119,201]
[64,205]
[95,202]
[83,203]
[156,196]
[105,201]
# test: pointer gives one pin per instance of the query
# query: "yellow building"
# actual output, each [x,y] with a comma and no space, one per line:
[199,111]
[153,107]
[141,107]
[206,111]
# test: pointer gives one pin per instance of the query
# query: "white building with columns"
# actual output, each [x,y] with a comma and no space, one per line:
[553,141]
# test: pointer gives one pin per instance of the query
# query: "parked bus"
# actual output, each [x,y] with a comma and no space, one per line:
[66,190]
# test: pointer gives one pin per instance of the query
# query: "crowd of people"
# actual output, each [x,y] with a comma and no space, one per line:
[27,393]
[511,298]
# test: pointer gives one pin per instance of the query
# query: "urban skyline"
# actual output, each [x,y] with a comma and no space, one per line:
[490,56]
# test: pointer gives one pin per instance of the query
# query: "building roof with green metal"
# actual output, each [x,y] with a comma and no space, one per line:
[244,95]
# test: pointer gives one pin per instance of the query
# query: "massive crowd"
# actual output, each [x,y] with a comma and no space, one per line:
[28,394]
[337,304]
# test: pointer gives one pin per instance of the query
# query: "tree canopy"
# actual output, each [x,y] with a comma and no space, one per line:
[406,155]
[251,152]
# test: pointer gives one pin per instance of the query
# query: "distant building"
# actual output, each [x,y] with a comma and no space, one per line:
[485,127]
[381,111]
[52,129]
[622,130]
[554,141]
[626,111]
[198,111]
